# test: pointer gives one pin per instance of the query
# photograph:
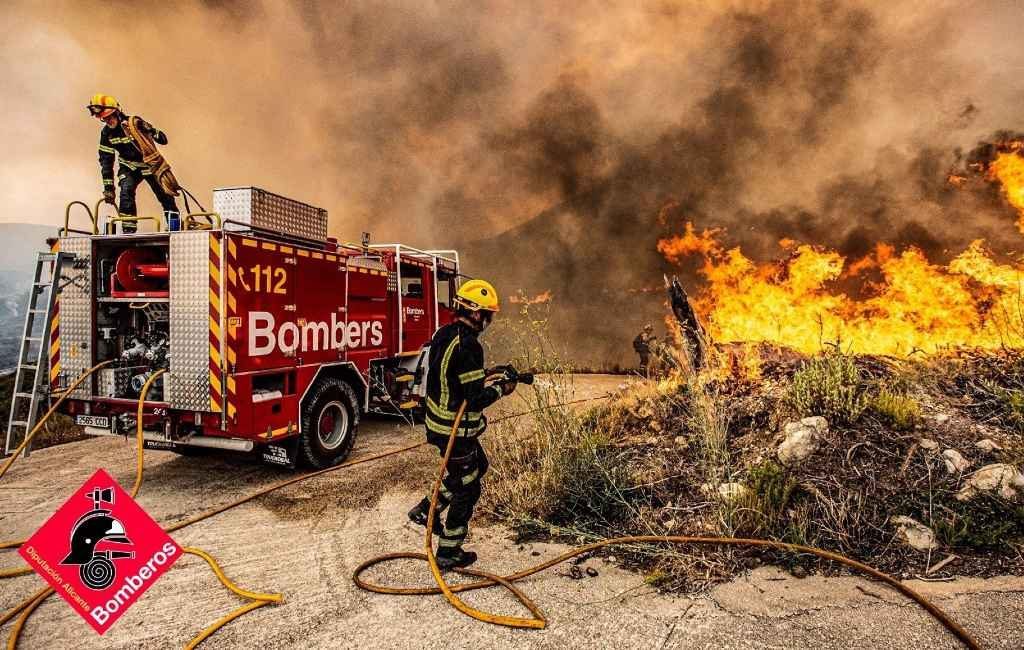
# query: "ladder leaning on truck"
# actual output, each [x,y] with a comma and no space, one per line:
[274,337]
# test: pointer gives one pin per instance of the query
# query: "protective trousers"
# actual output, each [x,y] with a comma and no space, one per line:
[130,180]
[460,490]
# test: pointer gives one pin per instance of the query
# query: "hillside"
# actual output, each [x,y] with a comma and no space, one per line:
[17,257]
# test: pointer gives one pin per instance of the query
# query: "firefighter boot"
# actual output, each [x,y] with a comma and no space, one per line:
[455,558]
[418,515]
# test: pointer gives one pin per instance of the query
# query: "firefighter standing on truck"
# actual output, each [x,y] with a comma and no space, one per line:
[115,141]
[455,375]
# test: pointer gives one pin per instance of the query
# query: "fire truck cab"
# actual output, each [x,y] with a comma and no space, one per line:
[274,338]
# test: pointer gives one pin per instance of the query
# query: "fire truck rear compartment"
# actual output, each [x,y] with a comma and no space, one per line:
[132,314]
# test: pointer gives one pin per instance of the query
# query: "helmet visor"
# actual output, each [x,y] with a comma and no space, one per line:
[100,112]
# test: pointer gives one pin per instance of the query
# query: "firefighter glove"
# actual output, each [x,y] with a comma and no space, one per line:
[108,196]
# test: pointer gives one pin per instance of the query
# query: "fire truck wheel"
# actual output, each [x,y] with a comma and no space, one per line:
[329,420]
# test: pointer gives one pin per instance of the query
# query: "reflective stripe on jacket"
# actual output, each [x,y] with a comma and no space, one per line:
[456,374]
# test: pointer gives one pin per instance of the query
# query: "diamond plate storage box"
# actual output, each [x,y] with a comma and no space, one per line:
[188,381]
[263,209]
[76,316]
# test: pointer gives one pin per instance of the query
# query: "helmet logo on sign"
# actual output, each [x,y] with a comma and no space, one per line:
[96,527]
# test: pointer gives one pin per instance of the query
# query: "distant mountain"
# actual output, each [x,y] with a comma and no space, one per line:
[19,243]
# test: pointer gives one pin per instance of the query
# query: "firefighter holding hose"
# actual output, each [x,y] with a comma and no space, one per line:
[455,375]
[125,138]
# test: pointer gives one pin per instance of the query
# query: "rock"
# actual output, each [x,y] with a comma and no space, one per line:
[915,534]
[799,572]
[592,572]
[955,463]
[733,491]
[987,445]
[929,444]
[802,439]
[680,440]
[941,418]
[998,477]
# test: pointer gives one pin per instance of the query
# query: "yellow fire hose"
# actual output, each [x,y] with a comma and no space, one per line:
[26,607]
[29,605]
[539,621]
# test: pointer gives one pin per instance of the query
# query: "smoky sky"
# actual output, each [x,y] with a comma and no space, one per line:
[543,139]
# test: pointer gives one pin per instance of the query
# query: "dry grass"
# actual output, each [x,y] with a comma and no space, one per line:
[652,460]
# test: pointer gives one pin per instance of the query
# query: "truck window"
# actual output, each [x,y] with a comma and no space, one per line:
[445,287]
[412,281]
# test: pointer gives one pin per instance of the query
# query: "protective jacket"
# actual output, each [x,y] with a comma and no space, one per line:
[642,343]
[456,374]
[116,142]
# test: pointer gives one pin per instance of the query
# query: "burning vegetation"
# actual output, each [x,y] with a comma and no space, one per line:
[893,302]
[870,405]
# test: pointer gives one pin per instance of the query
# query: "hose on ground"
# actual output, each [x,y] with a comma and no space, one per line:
[31,434]
[538,621]
[488,579]
[30,604]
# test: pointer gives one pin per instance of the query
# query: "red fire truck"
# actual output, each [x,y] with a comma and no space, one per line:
[275,338]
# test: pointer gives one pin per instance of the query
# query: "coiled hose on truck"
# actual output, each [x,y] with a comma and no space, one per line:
[26,607]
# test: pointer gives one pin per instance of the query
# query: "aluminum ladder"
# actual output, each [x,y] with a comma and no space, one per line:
[32,377]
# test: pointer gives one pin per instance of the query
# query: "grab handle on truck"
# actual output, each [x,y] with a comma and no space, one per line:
[63,232]
[213,221]
[112,223]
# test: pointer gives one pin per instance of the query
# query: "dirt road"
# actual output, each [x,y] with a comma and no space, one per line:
[305,540]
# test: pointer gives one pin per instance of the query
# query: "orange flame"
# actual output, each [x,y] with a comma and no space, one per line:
[522,299]
[1008,168]
[974,301]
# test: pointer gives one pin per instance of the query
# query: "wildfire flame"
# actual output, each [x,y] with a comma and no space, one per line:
[521,298]
[1008,169]
[972,301]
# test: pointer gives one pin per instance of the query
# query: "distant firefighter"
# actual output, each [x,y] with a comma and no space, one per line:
[665,354]
[642,346]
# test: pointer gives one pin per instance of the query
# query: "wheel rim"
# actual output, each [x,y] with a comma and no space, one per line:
[332,425]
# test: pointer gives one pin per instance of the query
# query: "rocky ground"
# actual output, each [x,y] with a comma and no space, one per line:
[305,540]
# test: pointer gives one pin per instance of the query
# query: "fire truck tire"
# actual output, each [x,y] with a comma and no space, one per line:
[329,420]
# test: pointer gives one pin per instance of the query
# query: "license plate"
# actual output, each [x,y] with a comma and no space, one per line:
[101,421]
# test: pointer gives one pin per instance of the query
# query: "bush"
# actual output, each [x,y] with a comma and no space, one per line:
[563,468]
[761,512]
[899,411]
[986,522]
[829,386]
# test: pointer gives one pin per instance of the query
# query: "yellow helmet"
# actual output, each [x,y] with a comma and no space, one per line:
[476,295]
[102,105]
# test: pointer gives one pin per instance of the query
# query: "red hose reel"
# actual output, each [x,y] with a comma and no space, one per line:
[141,273]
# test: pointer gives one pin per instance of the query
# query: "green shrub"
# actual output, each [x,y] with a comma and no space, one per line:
[761,512]
[1007,404]
[829,386]
[984,523]
[900,411]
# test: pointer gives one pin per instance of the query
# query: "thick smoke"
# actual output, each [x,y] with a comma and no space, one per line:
[552,142]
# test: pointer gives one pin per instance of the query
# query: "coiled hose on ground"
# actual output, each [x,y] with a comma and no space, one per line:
[538,621]
[257,600]
[29,605]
